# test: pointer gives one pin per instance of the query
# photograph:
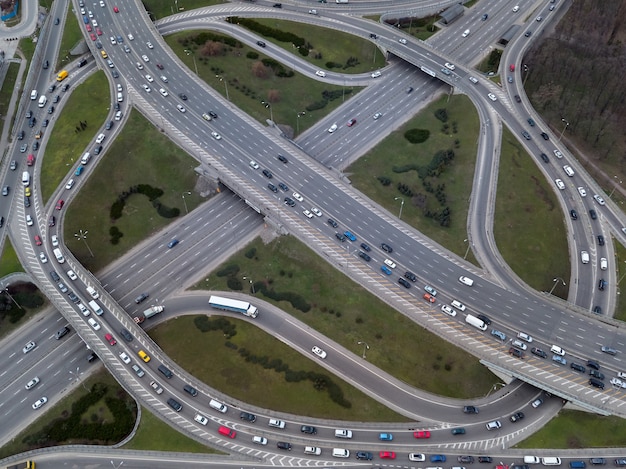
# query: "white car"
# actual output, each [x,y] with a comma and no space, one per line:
[599,199]
[55,240]
[525,337]
[206,116]
[201,419]
[449,66]
[582,191]
[538,19]
[604,264]
[259,440]
[557,350]
[102,3]
[466,33]
[492,97]
[320,73]
[84,309]
[113,41]
[559,183]
[536,403]
[515,8]
[376,74]
[130,37]
[308,214]
[145,58]
[71,275]
[253,164]
[100,138]
[618,383]
[125,358]
[149,44]
[446,309]
[43,258]
[163,92]
[149,78]
[377,116]
[316,211]
[146,87]
[181,108]
[39,403]
[118,115]
[402,40]
[163,78]
[417,457]
[139,66]
[90,14]
[119,88]
[29,346]
[519,344]
[568,170]
[473,79]
[558,154]
[32,383]
[466,280]
[298,197]
[332,128]
[95,23]
[29,220]
[318,351]
[390,263]
[216,136]
[93,323]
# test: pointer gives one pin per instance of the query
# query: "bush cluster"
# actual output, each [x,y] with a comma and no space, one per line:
[228,270]
[417,135]
[250,253]
[296,300]
[202,38]
[145,189]
[326,97]
[267,31]
[207,324]
[442,114]
[115,234]
[384,180]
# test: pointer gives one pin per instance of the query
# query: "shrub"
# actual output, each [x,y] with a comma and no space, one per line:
[441,114]
[228,270]
[316,105]
[250,253]
[417,135]
[252,55]
[234,283]
[384,180]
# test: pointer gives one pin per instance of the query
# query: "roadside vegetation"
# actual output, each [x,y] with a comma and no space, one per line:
[158,9]
[8,90]
[286,273]
[72,35]
[140,155]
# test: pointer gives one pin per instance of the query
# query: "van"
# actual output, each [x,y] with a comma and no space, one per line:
[584,257]
[456,304]
[219,406]
[343,433]
[42,101]
[85,159]
[550,461]
[341,453]
[62,75]
[95,307]
[227,432]
[34,94]
[531,460]
[596,383]
[557,350]
[166,371]
[62,332]
[276,423]
[174,404]
[466,280]
[577,464]
[568,170]
[474,321]
[93,293]
[26,178]
[58,255]
[120,97]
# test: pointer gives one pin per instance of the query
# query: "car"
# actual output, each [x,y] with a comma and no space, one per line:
[318,351]
[159,66]
[59,204]
[531,122]
[385,437]
[69,184]
[283,445]
[387,455]
[38,240]
[253,164]
[601,284]
[536,403]
[268,174]
[349,235]
[402,40]
[427,296]
[364,455]
[213,114]
[404,283]
[573,214]
[40,402]
[411,276]
[145,58]
[385,247]
[248,417]
[600,240]
[148,89]
[593,214]
[56,99]
[620,462]
[351,122]
[465,459]
[23,148]
[283,159]
[473,79]
[609,350]
[332,128]
[298,197]
[201,419]
[149,44]
[389,263]
[538,19]
[578,367]
[470,409]
[98,31]
[62,287]
[32,383]
[97,150]
[599,199]
[618,383]
[190,390]
[261,44]
[545,136]
[559,359]
[517,353]
[458,431]
[216,136]
[596,374]
[320,73]
[417,457]
[316,211]
[559,183]
[421,434]
[526,135]
[449,66]
[110,339]
[509,79]
[43,258]
[71,275]
[290,202]
[308,429]
[445,71]
[332,223]
[385,270]
[5,190]
[597,461]
[528,33]
[516,417]
[437,458]
[430,290]
[125,358]
[466,33]
[538,352]
[492,97]
[182,96]
[29,346]
[172,243]
[519,344]
[272,187]
[448,310]
[128,337]
[138,370]
[376,74]
[377,116]
[500,335]
[484,17]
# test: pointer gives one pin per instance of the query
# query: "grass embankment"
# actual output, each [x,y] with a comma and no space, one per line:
[345,312]
[139,155]
[72,35]
[162,8]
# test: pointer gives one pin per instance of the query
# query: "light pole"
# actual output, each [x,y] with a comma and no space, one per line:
[251,284]
[118,466]
[225,85]
[365,347]
[565,127]
[622,277]
[268,105]
[6,290]
[83,235]
[76,376]
[525,74]
[468,248]
[556,280]
[195,65]
[185,202]
[615,187]
[494,387]
[299,115]
[401,206]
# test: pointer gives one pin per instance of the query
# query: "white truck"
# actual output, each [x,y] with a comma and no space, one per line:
[148,313]
[235,306]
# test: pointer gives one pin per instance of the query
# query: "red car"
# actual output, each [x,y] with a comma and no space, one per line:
[98,31]
[60,204]
[429,297]
[160,67]
[30,160]
[512,68]
[116,9]
[110,339]
[88,28]
[387,455]
[422,434]
[92,36]
[37,240]
[351,122]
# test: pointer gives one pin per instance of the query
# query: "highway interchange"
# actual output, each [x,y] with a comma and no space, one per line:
[512,309]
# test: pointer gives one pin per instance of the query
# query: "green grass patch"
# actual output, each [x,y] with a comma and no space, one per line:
[64,408]
[250,382]
[349,314]
[396,151]
[162,8]
[139,155]
[8,88]
[27,46]
[89,102]
[289,97]
[154,434]
[72,35]
[9,262]
[537,250]
[574,429]
[620,267]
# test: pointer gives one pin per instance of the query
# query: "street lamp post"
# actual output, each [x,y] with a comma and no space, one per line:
[6,290]
[195,65]
[251,284]
[615,187]
[185,202]
[76,376]
[268,105]
[299,115]
[468,248]
[401,206]
[622,277]
[556,280]
[82,234]
[494,387]
[225,85]
[565,127]
[365,347]
[525,74]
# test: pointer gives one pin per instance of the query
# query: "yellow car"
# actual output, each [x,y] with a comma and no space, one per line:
[104,54]
[144,356]
[27,192]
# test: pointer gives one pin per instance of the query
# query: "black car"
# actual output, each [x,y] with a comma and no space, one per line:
[332,223]
[484,459]
[365,247]
[182,96]
[1,222]
[538,352]
[600,240]
[31,122]
[36,146]
[531,122]
[516,352]
[470,409]
[117,106]
[386,248]
[545,136]
[365,256]
[73,297]
[66,86]
[91,357]
[290,202]
[517,416]
[409,90]
[191,390]
[128,337]
[578,367]
[248,417]
[141,298]
[46,64]
[364,455]
[526,135]
[272,187]
[277,5]
[545,158]
[283,186]
[57,21]
[109,125]
[593,214]
[593,364]
[528,33]
[268,174]
[404,283]
[484,319]
[573,214]
[20,135]
[174,404]
[97,150]
[283,159]
[373,36]
[260,43]
[115,74]
[45,123]
[517,98]
[56,99]
[601,284]
[411,276]
[212,114]
[54,276]
[51,88]
[26,201]
[340,237]
[466,459]
[50,109]
[596,374]
[283,445]
[308,429]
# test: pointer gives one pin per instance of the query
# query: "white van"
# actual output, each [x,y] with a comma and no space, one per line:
[584,257]
[85,159]
[477,323]
[551,461]
[343,433]
[341,453]
[531,460]
[59,255]
[217,405]
[42,100]
[34,94]
[557,350]
[93,293]
[458,305]
[276,423]
[568,170]
[26,178]
[96,307]
[466,280]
